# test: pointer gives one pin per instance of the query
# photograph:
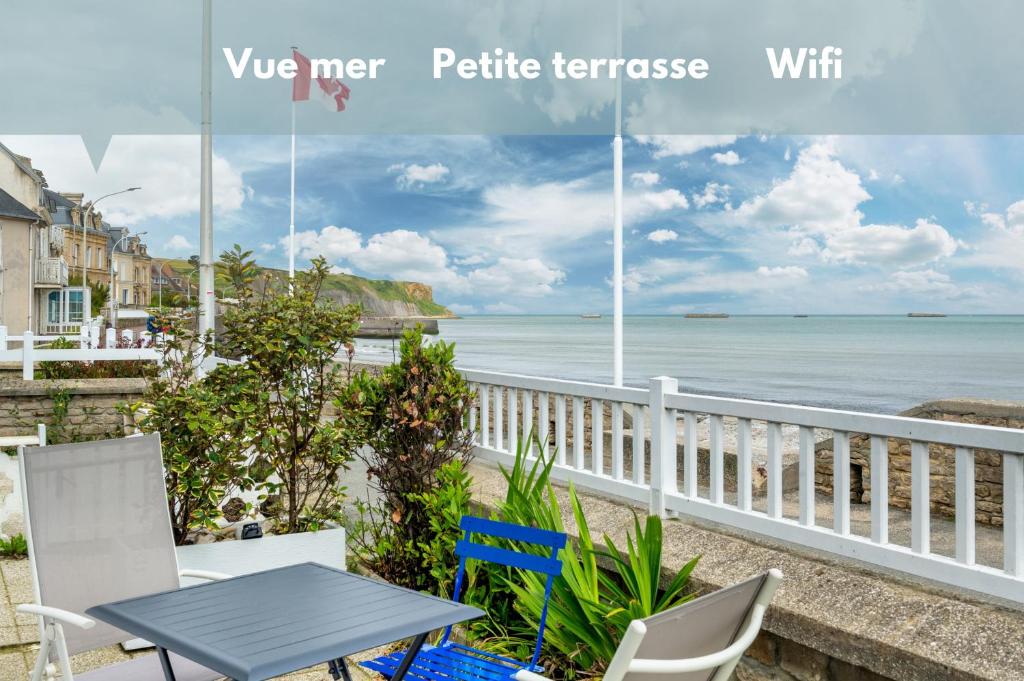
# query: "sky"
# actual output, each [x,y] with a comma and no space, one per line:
[522,224]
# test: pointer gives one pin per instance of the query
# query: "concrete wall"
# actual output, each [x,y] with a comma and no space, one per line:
[988,471]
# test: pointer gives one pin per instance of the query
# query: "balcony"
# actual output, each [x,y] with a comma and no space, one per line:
[51,272]
[56,238]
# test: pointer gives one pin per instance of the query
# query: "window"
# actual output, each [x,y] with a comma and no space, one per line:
[74,254]
[76,305]
[88,256]
[124,296]
[53,307]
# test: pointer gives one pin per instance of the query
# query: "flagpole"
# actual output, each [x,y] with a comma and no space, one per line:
[617,218]
[206,314]
[291,223]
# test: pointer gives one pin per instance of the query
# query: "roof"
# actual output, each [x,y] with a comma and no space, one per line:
[10,207]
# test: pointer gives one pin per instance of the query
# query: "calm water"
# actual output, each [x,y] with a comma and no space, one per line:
[880,364]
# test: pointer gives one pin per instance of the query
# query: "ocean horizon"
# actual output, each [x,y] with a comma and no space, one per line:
[875,363]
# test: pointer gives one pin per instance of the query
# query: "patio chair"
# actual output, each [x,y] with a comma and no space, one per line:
[98,530]
[702,640]
[453,661]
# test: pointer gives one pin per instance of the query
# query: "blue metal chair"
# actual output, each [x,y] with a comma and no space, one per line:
[451,661]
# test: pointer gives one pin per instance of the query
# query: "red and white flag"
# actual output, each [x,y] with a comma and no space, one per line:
[332,91]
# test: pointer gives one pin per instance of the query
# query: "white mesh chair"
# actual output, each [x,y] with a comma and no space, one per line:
[98,530]
[702,640]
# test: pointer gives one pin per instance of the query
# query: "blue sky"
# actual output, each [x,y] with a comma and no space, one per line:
[523,224]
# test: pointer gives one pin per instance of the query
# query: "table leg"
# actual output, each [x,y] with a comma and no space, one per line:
[339,670]
[165,662]
[410,655]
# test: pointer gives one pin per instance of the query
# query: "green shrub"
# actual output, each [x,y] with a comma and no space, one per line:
[591,605]
[277,395]
[205,459]
[14,546]
[411,415]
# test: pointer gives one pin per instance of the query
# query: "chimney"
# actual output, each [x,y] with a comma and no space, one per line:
[74,197]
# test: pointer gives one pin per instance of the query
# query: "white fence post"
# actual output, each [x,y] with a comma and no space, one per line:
[83,337]
[27,351]
[94,336]
[663,443]
[3,338]
[111,338]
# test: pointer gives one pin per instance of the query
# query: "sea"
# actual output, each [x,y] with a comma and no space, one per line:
[881,364]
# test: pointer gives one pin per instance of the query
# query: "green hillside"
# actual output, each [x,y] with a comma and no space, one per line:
[379,297]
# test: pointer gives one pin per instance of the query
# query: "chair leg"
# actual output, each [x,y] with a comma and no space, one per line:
[62,652]
[44,657]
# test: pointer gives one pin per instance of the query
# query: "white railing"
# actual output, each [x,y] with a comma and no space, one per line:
[51,271]
[27,354]
[606,459]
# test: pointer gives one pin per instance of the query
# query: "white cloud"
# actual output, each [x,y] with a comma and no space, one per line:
[399,254]
[926,282]
[520,277]
[666,200]
[535,220]
[787,155]
[413,175]
[713,193]
[647,178]
[924,242]
[410,256]
[819,204]
[334,243]
[178,244]
[728,158]
[1002,243]
[804,247]
[660,236]
[739,281]
[165,166]
[683,145]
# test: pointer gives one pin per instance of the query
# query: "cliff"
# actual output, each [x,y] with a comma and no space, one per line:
[378,297]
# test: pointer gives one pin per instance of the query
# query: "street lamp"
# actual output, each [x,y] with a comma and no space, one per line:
[85,226]
[113,313]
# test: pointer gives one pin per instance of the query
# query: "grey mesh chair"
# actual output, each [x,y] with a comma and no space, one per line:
[98,530]
[702,640]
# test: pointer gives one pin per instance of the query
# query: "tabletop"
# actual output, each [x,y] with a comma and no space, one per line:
[278,621]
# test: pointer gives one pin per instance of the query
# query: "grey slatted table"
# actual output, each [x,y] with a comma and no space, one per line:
[265,624]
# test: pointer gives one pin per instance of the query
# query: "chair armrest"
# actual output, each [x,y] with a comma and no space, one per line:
[527,675]
[63,616]
[204,574]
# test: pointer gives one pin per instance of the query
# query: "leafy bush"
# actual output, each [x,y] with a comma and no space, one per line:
[376,542]
[277,394]
[591,605]
[100,368]
[411,415]
[205,459]
[14,547]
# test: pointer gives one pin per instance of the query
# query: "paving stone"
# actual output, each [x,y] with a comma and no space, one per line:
[17,579]
[9,636]
[12,666]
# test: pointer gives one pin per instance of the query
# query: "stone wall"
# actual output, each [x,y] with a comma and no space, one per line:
[71,410]
[90,406]
[988,472]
